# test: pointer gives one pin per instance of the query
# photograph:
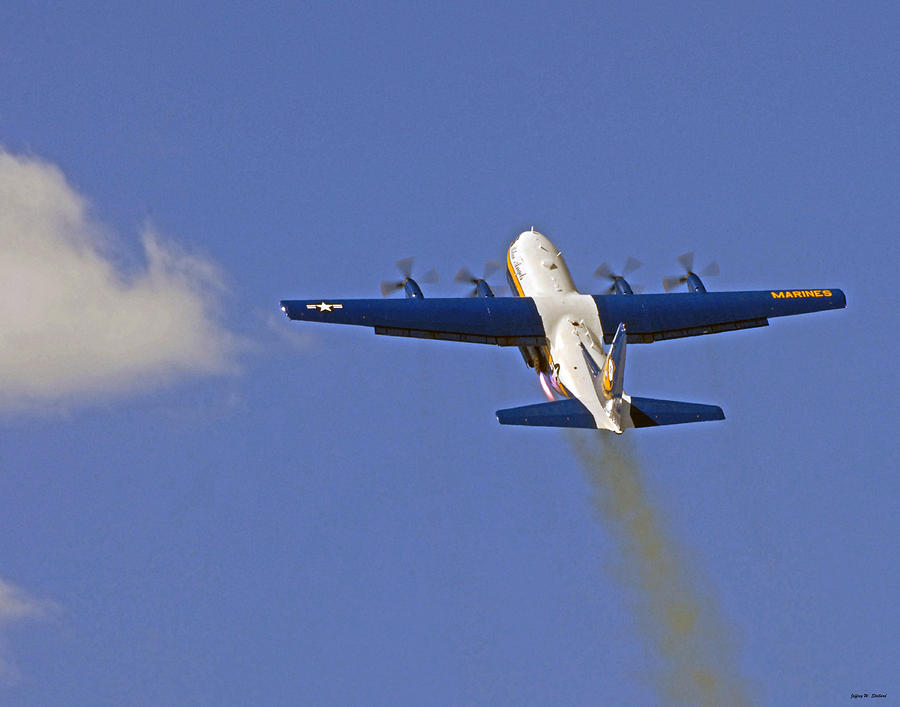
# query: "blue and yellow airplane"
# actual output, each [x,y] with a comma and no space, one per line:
[561,333]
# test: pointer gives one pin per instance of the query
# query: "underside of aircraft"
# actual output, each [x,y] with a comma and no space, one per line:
[561,333]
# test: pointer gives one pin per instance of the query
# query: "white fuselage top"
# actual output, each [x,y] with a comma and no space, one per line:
[538,270]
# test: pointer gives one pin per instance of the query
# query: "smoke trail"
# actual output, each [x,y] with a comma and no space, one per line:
[690,637]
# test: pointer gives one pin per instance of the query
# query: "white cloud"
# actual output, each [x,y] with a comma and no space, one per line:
[72,324]
[16,605]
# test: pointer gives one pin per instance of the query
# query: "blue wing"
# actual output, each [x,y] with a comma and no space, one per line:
[503,321]
[514,321]
[650,318]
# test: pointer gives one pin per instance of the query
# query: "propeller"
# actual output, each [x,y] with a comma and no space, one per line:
[465,276]
[404,265]
[687,263]
[604,272]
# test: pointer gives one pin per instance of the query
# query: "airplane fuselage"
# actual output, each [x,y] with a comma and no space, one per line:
[536,269]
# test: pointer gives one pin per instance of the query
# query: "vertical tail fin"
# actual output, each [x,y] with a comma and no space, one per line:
[609,381]
[612,383]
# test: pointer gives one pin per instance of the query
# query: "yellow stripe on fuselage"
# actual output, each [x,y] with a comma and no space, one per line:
[545,349]
[562,388]
[512,272]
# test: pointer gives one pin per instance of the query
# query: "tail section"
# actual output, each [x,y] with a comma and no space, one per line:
[609,380]
[620,411]
[612,383]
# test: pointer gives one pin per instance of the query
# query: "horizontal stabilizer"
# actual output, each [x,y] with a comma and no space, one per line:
[649,412]
[560,413]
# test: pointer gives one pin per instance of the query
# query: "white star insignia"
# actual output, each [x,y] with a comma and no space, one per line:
[324,306]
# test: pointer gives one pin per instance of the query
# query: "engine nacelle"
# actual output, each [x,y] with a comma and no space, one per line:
[622,286]
[412,289]
[482,289]
[694,283]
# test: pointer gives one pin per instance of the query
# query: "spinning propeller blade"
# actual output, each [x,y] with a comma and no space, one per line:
[686,260]
[465,276]
[605,272]
[405,266]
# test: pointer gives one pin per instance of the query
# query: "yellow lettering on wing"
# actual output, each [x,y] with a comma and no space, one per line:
[791,294]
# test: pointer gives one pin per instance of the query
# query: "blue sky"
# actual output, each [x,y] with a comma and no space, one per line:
[250,511]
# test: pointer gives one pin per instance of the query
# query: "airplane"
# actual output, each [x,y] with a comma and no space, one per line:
[561,333]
